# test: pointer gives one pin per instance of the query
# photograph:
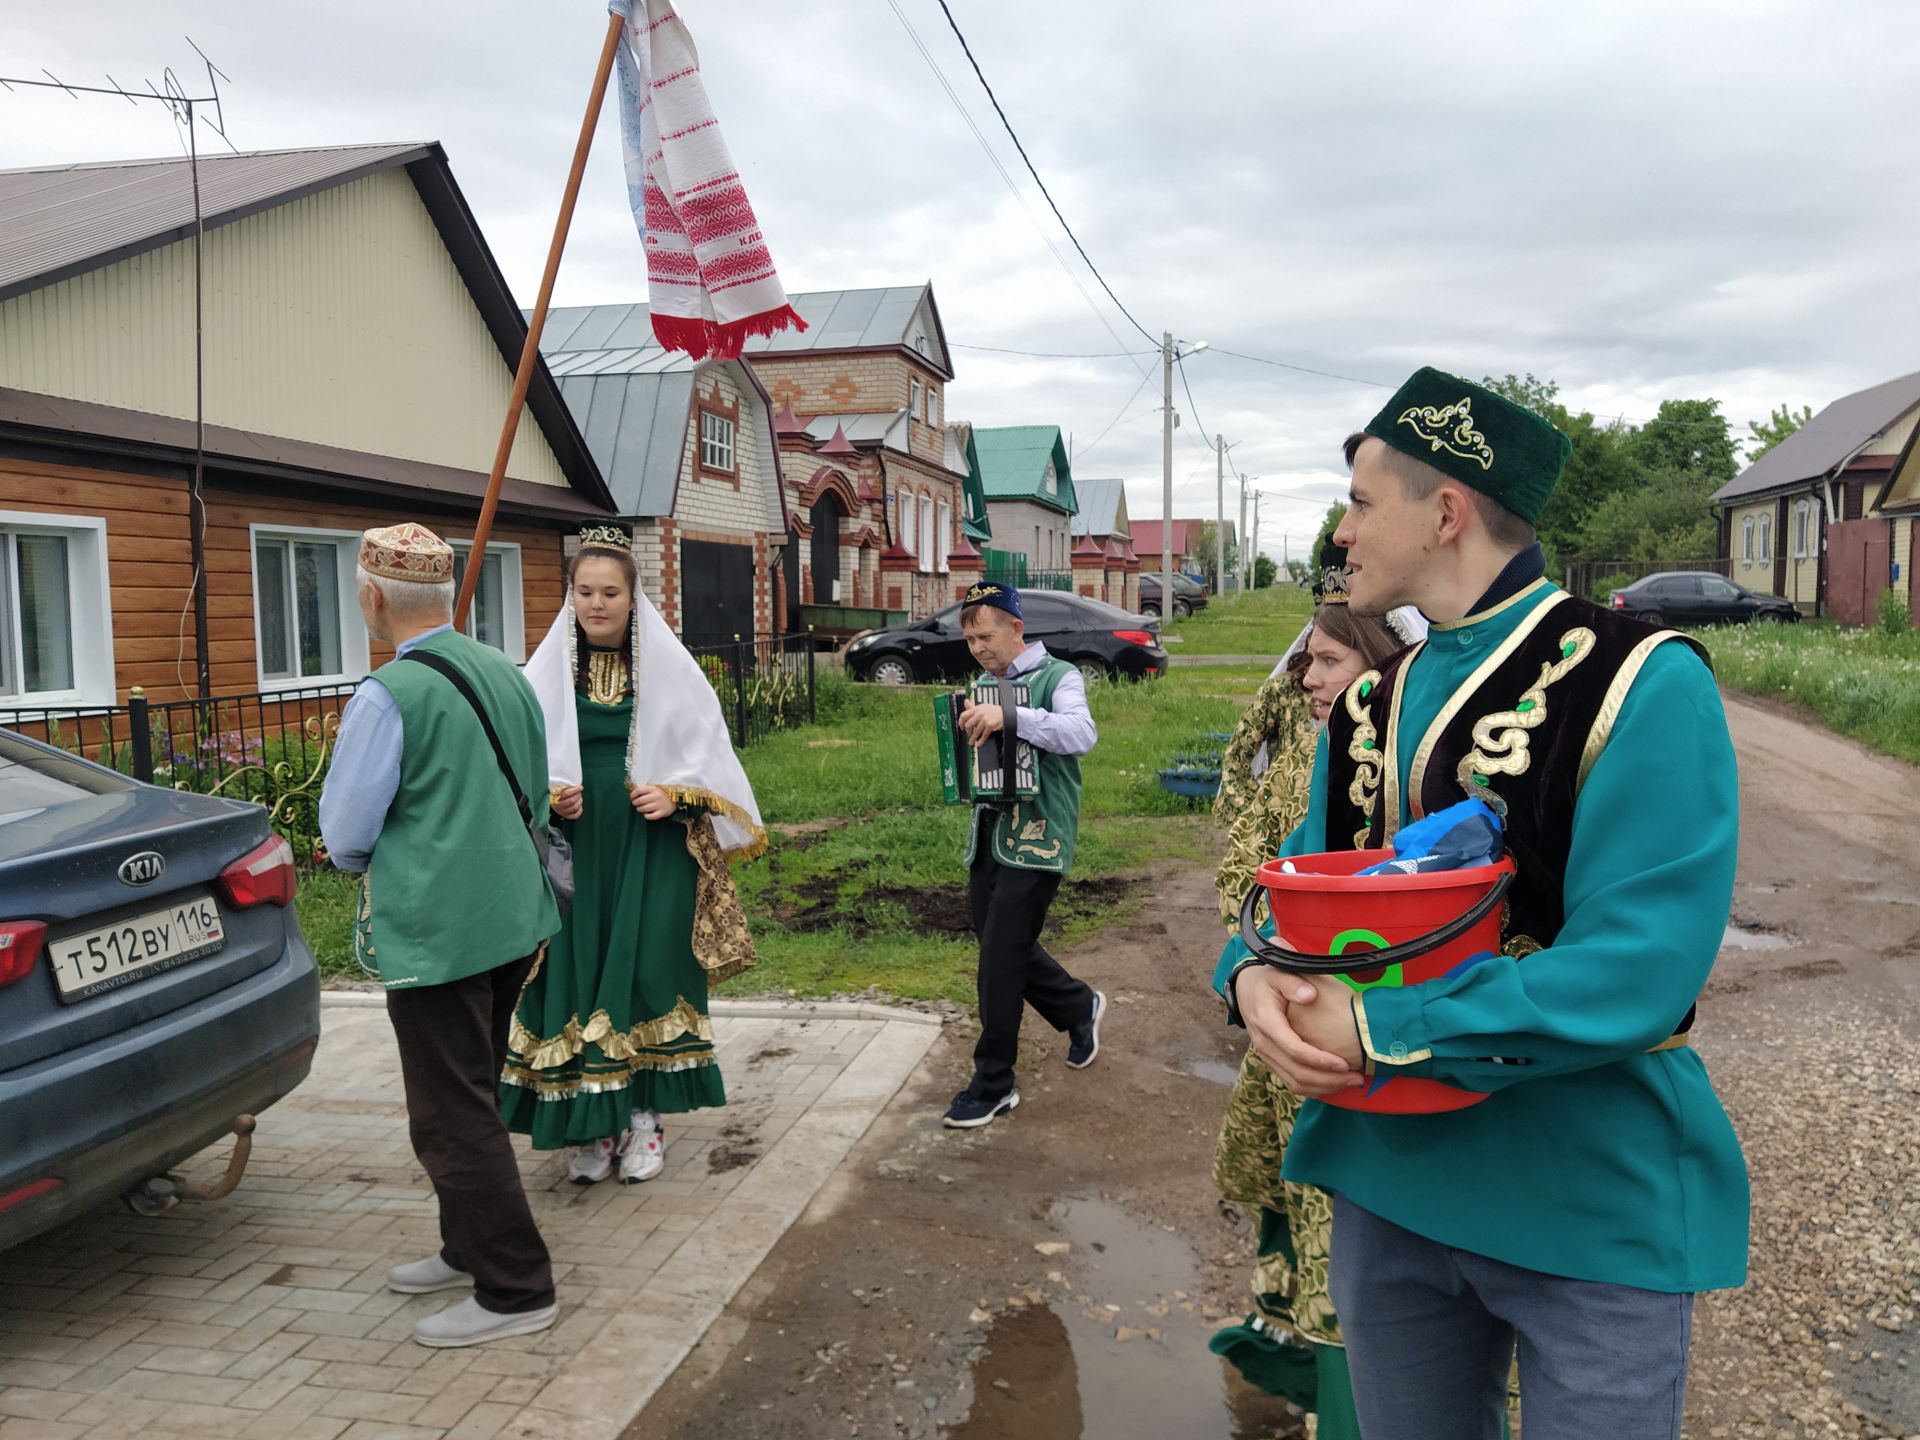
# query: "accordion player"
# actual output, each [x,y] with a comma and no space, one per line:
[980,775]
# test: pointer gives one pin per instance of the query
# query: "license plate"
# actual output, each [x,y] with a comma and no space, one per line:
[96,961]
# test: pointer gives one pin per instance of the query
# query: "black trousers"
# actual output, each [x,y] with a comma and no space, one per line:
[1009,908]
[453,1045]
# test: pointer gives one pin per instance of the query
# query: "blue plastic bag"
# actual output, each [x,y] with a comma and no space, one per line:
[1456,838]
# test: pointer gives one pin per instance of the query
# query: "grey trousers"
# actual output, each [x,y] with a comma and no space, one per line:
[1431,1333]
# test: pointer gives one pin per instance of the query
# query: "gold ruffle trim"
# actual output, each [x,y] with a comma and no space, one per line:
[534,1053]
[720,805]
[603,1083]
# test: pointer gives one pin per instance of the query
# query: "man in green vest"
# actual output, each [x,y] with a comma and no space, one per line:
[1017,854]
[455,913]
[1572,1213]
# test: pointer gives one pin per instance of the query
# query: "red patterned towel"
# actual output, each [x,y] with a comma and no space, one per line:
[710,280]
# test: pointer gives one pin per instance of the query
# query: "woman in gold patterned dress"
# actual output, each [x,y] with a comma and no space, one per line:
[1260,808]
[611,1033]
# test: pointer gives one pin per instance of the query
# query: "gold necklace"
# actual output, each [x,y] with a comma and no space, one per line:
[608,679]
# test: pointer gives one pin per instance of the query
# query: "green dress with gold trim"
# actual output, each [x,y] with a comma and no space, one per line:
[615,1019]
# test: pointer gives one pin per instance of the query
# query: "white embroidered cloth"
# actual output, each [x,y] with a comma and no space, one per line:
[679,738]
[710,277]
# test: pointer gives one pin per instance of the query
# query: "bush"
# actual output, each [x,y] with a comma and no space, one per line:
[1891,616]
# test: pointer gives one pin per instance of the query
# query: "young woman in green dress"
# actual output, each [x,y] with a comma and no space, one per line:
[612,1033]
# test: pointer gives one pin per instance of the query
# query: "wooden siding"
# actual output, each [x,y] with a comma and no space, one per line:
[339,318]
[150,568]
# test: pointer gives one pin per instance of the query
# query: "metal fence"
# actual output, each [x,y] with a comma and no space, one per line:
[1594,579]
[1013,567]
[273,747]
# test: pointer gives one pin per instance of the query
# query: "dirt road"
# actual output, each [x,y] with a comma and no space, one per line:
[1057,1274]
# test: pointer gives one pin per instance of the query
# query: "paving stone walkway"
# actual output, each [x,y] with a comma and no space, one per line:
[266,1314]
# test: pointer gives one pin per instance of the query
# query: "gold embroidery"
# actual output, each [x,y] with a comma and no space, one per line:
[1481,616]
[1503,652]
[1450,428]
[1364,751]
[1500,741]
[1519,945]
[681,1022]
[1622,682]
[720,805]
[721,942]
[609,678]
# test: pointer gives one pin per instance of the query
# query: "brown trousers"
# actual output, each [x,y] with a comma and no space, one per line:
[453,1045]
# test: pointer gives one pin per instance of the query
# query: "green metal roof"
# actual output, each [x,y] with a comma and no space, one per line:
[1013,462]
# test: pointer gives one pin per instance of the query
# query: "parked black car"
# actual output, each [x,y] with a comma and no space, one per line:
[1698,597]
[1189,594]
[154,985]
[1102,640]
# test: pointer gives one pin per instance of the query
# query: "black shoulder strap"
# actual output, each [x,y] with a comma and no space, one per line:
[439,662]
[1009,739]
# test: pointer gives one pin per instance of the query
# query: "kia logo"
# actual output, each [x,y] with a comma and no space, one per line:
[142,869]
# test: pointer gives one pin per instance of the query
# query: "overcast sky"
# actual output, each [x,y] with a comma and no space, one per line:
[1637,200]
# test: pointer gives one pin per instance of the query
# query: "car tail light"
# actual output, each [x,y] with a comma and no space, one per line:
[1134,637]
[260,877]
[1619,601]
[30,1192]
[20,942]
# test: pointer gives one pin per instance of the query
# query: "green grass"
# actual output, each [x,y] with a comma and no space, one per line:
[868,893]
[1861,683]
[1254,622]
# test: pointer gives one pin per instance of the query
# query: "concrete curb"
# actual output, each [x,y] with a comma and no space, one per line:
[727,1009]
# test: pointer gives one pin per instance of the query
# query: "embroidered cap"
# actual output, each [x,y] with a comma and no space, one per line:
[406,552]
[1472,435]
[999,597]
[1330,575]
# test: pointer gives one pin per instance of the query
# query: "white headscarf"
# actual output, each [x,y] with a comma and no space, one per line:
[1406,622]
[679,739]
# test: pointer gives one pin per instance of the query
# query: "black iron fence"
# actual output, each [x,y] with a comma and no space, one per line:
[1596,579]
[273,747]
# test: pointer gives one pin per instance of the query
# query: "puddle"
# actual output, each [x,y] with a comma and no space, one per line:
[1220,1072]
[1741,938]
[1059,1371]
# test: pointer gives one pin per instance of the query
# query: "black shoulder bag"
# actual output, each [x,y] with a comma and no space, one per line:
[550,847]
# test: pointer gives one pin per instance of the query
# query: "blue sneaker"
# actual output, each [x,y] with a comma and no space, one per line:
[970,1112]
[1083,1041]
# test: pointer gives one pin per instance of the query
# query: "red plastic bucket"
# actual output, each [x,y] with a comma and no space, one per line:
[1328,920]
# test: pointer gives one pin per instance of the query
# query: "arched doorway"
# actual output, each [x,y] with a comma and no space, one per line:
[825,518]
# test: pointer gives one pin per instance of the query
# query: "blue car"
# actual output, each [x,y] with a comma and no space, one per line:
[154,985]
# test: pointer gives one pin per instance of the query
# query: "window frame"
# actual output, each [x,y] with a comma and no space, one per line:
[933,404]
[1766,539]
[356,659]
[513,596]
[1802,529]
[916,395]
[906,524]
[714,403]
[942,534]
[1746,542]
[924,554]
[89,606]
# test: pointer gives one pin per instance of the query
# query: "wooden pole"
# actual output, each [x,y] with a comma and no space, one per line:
[530,352]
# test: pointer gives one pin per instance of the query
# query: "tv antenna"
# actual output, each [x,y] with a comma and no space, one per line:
[184,109]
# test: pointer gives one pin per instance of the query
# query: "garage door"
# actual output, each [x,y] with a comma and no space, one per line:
[717,589]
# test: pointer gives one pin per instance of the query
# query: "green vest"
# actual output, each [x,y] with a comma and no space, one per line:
[1038,834]
[454,887]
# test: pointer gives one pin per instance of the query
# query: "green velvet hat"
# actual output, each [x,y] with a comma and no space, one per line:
[1472,435]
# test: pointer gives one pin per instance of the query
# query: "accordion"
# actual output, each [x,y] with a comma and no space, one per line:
[981,775]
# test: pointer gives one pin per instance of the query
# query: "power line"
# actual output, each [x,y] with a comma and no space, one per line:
[1302,369]
[955,26]
[1116,419]
[1056,354]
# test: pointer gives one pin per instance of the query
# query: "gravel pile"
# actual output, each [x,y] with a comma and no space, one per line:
[1825,1338]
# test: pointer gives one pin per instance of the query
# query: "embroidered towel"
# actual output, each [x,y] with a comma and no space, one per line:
[711,283]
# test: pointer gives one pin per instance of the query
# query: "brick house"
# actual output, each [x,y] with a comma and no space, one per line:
[1820,519]
[359,348]
[1027,480]
[688,451]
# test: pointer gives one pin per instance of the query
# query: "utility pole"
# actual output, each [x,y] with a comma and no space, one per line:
[1255,576]
[1219,515]
[1166,481]
[1240,569]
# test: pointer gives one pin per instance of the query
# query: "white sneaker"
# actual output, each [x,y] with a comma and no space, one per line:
[591,1163]
[470,1323]
[643,1154]
[423,1277]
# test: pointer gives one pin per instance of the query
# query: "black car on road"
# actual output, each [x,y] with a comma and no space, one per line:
[1103,640]
[153,983]
[1189,594]
[1698,597]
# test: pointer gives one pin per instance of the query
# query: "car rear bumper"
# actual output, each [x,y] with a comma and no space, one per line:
[103,1118]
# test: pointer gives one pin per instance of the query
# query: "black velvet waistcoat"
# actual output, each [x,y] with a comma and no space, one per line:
[1523,738]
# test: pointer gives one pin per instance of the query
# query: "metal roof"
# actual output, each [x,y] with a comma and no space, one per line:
[636,431]
[1099,506]
[1013,464]
[1828,439]
[888,318]
[67,219]
[889,427]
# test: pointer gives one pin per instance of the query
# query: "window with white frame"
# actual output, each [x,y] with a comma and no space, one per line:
[306,617]
[716,442]
[1766,540]
[497,617]
[904,535]
[1052,479]
[1746,541]
[925,552]
[56,641]
[914,391]
[933,405]
[942,540]
[1802,529]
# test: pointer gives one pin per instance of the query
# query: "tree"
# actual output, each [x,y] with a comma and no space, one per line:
[1777,426]
[1598,468]
[1667,518]
[1263,571]
[1297,570]
[1336,512]
[1206,545]
[1688,437]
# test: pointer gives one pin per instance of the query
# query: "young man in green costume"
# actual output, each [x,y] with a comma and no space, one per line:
[1018,854]
[455,910]
[1573,1213]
